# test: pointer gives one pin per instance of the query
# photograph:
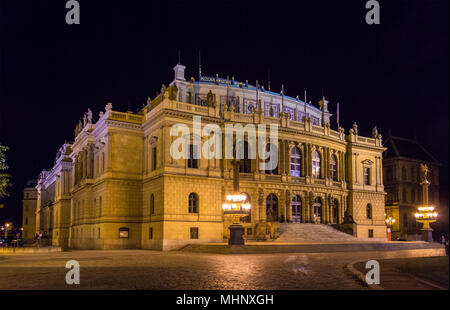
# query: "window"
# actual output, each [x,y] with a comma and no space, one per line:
[194,232]
[245,165]
[389,174]
[272,208]
[366,176]
[98,233]
[316,165]
[403,173]
[405,220]
[404,198]
[369,211]
[413,176]
[370,233]
[333,168]
[193,203]
[155,154]
[150,233]
[152,204]
[413,196]
[192,156]
[271,147]
[26,220]
[249,231]
[295,162]
[123,232]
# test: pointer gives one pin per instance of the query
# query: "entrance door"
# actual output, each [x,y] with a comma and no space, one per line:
[317,210]
[334,211]
[296,209]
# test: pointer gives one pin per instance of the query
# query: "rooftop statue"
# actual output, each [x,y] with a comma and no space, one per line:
[89,116]
[355,128]
[375,132]
[210,99]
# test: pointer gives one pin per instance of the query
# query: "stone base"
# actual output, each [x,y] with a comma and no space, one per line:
[236,234]
[427,235]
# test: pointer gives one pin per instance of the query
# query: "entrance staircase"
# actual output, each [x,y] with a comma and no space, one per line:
[296,232]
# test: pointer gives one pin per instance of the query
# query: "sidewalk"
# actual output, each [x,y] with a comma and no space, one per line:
[411,273]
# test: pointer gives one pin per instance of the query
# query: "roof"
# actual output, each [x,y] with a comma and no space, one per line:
[402,147]
[236,84]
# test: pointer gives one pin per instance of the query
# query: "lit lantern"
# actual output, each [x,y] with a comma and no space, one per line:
[425,214]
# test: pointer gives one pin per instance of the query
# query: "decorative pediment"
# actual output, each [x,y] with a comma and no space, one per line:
[367,162]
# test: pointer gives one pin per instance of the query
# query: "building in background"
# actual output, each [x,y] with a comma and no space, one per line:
[401,167]
[117,185]
[29,204]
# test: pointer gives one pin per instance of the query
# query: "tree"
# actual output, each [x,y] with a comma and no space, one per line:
[5,178]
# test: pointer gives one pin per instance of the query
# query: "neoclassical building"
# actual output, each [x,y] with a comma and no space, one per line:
[117,185]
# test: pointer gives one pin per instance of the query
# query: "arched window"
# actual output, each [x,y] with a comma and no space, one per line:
[295,162]
[193,203]
[245,162]
[271,147]
[152,204]
[296,209]
[272,208]
[333,168]
[404,173]
[316,164]
[369,211]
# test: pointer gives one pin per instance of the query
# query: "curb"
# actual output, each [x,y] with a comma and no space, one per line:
[360,277]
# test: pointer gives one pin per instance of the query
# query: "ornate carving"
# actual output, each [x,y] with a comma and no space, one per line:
[108,106]
[260,196]
[173,92]
[424,171]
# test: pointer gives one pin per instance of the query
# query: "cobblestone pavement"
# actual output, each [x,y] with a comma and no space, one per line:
[141,269]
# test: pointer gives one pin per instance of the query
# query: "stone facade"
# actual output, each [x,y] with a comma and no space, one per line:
[117,185]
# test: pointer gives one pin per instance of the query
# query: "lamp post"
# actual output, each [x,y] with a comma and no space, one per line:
[236,204]
[426,213]
[390,222]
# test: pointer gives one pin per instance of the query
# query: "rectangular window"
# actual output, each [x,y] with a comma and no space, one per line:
[194,232]
[123,232]
[366,176]
[192,156]
[150,233]
[155,154]
[370,233]
[249,231]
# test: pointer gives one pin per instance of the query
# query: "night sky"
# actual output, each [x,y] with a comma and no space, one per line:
[393,75]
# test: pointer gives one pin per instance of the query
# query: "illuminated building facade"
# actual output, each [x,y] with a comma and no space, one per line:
[117,185]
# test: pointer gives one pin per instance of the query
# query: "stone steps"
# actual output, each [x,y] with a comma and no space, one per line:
[306,232]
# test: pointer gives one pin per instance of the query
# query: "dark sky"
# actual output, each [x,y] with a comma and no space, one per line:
[393,75]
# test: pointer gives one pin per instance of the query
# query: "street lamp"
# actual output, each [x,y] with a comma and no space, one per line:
[390,222]
[236,205]
[426,214]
